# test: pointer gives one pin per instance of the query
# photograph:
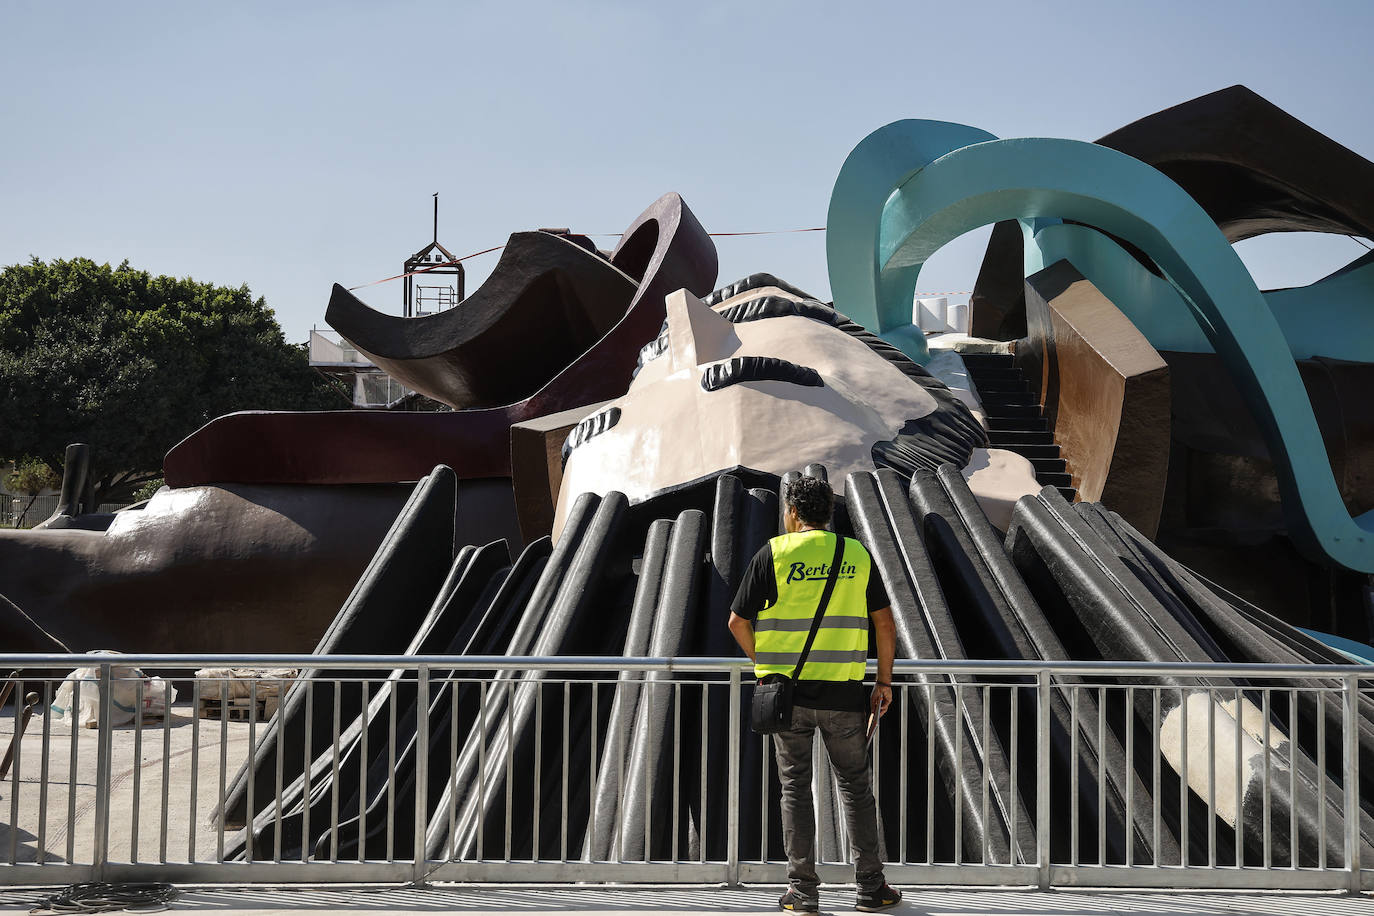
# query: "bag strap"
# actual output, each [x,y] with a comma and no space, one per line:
[820,608]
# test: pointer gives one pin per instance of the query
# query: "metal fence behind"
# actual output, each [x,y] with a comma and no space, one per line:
[26,511]
[613,769]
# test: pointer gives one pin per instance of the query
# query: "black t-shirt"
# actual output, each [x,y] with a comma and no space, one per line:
[759,589]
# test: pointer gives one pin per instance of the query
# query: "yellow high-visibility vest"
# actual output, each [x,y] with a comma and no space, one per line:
[801,563]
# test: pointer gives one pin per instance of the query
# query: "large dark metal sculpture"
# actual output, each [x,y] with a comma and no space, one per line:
[1066,582]
[665,249]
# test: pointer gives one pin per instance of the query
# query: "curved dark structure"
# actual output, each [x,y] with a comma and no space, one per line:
[665,249]
[237,568]
[547,302]
[1252,166]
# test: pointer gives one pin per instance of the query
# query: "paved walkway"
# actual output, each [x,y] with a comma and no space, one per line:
[361,901]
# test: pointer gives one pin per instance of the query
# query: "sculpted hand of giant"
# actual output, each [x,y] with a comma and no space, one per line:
[768,379]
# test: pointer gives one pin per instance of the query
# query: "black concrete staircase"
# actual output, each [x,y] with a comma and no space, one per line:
[1016,421]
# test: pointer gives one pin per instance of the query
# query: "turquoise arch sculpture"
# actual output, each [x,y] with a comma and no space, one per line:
[1333,317]
[936,198]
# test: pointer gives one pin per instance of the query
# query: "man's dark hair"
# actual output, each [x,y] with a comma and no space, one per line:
[812,498]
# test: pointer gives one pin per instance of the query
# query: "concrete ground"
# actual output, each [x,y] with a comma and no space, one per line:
[69,808]
[590,901]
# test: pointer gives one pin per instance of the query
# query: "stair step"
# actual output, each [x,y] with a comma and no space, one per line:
[1054,479]
[1012,410]
[1049,465]
[1011,424]
[990,360]
[1016,384]
[1010,439]
[1007,398]
[1032,451]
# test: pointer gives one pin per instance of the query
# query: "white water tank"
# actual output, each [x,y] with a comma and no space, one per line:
[930,313]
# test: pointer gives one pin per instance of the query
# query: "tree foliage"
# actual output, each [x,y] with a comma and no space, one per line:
[132,363]
[31,477]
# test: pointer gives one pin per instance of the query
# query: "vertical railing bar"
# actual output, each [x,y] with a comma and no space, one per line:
[510,761]
[677,766]
[593,767]
[43,775]
[308,763]
[195,768]
[365,687]
[1075,766]
[902,790]
[1042,778]
[72,767]
[1240,783]
[482,773]
[538,764]
[1350,782]
[421,774]
[1155,807]
[958,768]
[1017,856]
[1320,698]
[986,775]
[334,775]
[104,749]
[622,801]
[562,850]
[903,793]
[136,802]
[701,797]
[732,783]
[1129,826]
[764,797]
[930,773]
[1293,775]
[223,765]
[1101,775]
[277,801]
[166,769]
[648,797]
[16,766]
[391,701]
[454,683]
[252,753]
[567,710]
[1185,838]
[1267,776]
[1211,777]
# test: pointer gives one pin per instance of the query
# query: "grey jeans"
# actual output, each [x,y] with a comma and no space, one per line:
[845,744]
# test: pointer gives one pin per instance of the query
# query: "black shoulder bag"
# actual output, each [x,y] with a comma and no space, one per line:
[771,710]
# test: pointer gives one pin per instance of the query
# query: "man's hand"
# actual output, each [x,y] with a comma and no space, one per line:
[881,699]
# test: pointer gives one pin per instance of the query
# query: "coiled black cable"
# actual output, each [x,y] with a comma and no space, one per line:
[99,897]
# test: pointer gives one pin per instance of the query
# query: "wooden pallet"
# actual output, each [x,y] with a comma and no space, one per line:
[240,710]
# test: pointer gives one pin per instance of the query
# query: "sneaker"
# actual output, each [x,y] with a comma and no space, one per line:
[794,902]
[879,899]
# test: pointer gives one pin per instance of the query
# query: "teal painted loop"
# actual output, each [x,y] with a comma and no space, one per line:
[882,300]
[1333,317]
[1031,179]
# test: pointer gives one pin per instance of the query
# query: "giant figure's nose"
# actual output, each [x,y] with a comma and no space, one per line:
[696,334]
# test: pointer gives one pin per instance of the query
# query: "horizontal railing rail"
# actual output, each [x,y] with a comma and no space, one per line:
[500,768]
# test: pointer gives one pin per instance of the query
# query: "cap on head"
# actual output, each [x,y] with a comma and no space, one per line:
[812,499]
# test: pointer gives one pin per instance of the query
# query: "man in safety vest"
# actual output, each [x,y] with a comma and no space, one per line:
[770,619]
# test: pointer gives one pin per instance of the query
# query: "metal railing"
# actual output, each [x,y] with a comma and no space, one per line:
[644,770]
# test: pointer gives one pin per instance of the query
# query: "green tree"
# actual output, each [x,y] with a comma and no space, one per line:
[133,363]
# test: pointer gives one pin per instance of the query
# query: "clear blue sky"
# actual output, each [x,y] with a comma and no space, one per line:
[292,145]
